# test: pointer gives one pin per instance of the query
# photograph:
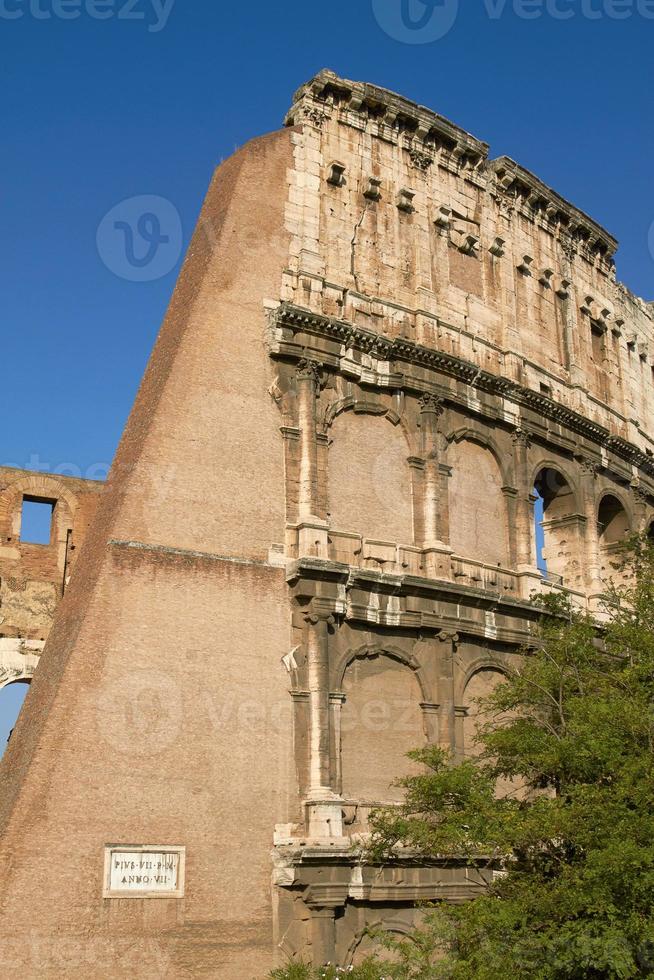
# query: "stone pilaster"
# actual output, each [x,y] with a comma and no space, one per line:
[312,528]
[642,511]
[524,533]
[588,470]
[323,934]
[324,813]
[437,553]
[446,711]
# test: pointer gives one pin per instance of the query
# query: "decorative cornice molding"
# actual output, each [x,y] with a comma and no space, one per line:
[392,114]
[578,230]
[400,350]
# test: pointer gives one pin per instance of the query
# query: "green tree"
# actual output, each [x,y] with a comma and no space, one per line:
[573,728]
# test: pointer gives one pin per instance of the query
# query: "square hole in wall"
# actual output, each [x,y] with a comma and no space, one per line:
[36,520]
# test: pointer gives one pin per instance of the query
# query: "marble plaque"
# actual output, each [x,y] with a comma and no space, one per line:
[143,871]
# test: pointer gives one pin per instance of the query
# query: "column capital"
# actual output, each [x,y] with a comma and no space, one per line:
[317,614]
[432,405]
[521,438]
[640,495]
[588,466]
[308,370]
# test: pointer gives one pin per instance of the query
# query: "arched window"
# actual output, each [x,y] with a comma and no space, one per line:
[478,516]
[369,479]
[612,520]
[555,505]
[11,701]
[613,527]
[480,685]
[381,721]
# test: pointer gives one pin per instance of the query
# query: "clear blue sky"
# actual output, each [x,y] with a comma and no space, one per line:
[99,111]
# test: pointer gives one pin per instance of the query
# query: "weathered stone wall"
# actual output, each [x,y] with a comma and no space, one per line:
[33,577]
[451,343]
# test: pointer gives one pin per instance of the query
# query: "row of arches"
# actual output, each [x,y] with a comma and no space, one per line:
[372,491]
[382,718]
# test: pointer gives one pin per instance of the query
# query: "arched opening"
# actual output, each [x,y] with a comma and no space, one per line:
[650,534]
[369,479]
[554,511]
[478,515]
[613,527]
[381,721]
[480,685]
[612,521]
[11,701]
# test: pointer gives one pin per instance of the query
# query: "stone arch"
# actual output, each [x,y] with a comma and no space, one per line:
[614,524]
[18,660]
[478,511]
[614,518]
[381,720]
[364,944]
[486,662]
[369,485]
[469,433]
[547,463]
[480,684]
[362,406]
[381,650]
[556,521]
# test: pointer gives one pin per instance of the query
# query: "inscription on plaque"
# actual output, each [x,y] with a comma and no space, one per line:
[143,871]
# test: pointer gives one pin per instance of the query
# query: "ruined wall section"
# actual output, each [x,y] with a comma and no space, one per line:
[33,577]
[410,230]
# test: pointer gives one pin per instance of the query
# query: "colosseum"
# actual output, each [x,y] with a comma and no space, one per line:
[398,394]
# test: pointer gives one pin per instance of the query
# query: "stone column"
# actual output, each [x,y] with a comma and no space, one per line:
[312,530]
[324,807]
[591,559]
[436,551]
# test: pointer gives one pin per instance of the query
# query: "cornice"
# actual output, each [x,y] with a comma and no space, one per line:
[326,93]
[399,350]
[516,182]
[386,583]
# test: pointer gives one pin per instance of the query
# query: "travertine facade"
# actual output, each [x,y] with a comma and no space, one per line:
[317,544]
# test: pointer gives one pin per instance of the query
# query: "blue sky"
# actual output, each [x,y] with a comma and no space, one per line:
[148,100]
